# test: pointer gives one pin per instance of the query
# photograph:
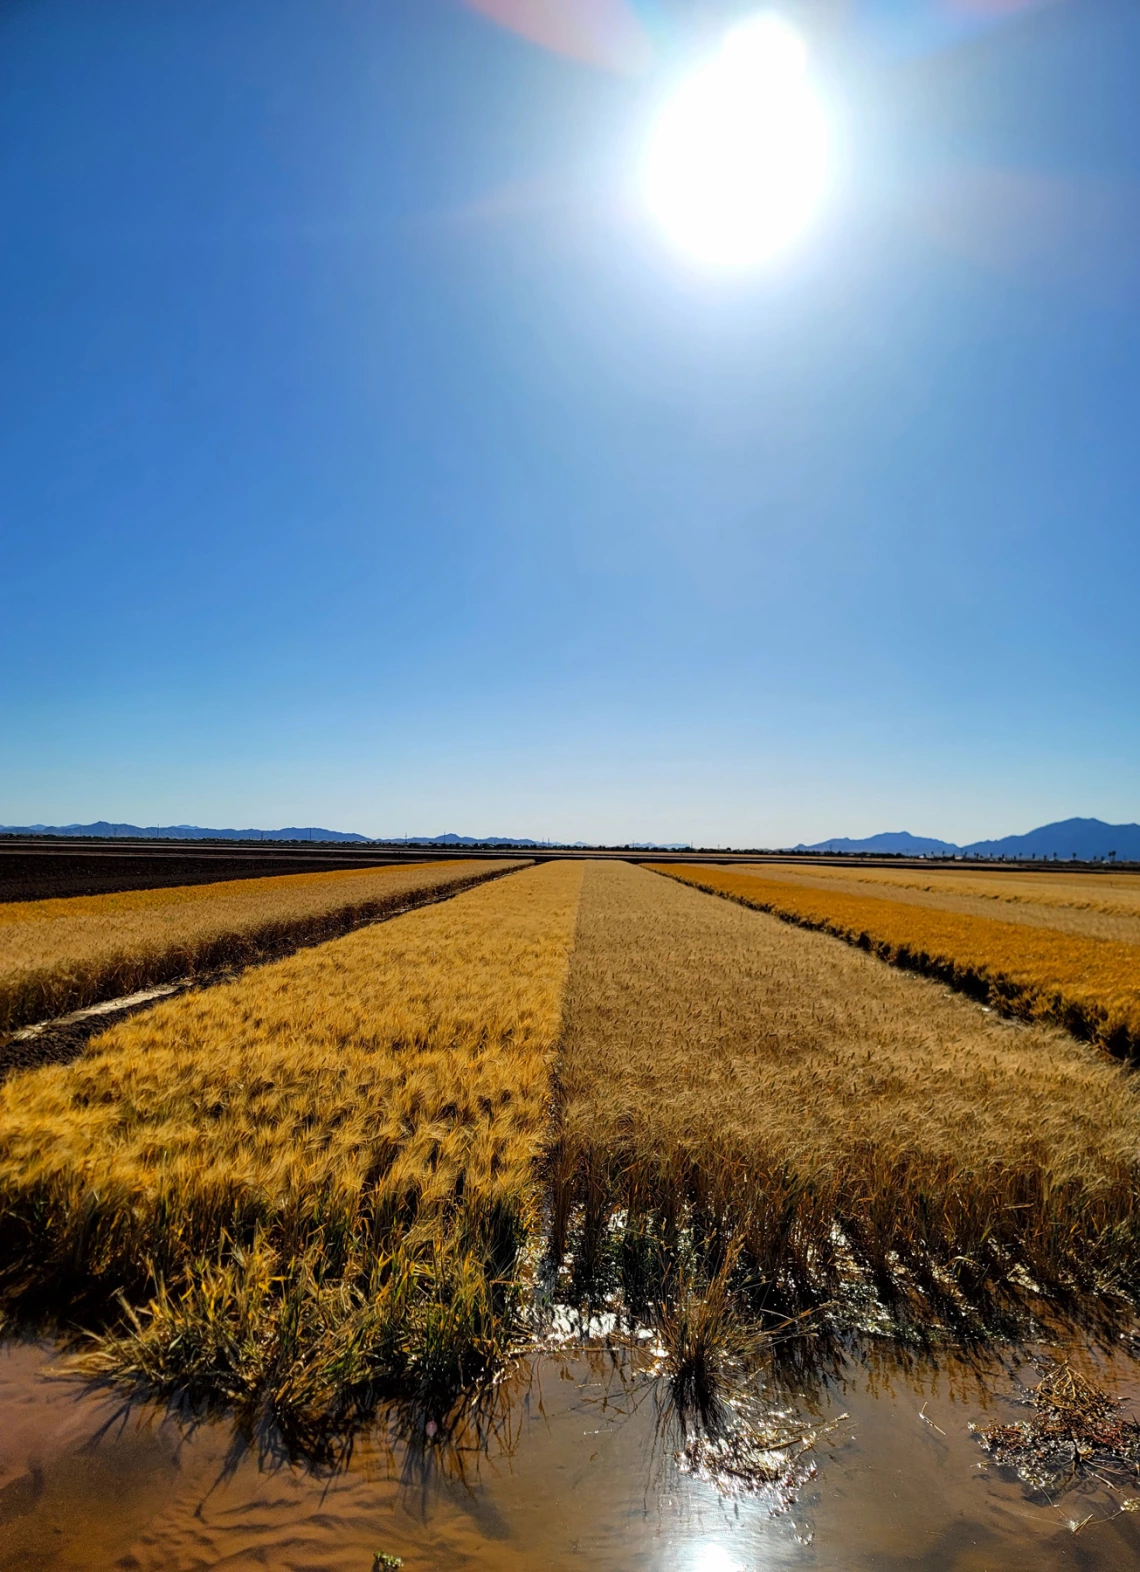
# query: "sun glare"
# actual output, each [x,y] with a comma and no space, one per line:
[738,159]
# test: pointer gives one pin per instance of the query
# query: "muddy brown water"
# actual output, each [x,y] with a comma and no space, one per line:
[585,1478]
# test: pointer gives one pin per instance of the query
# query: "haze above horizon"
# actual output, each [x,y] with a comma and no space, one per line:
[366,458]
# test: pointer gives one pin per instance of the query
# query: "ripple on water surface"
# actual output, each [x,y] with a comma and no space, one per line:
[586,1477]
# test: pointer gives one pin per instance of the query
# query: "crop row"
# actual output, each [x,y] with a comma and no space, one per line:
[730,1073]
[310,1184]
[1097,906]
[61,955]
[1089,986]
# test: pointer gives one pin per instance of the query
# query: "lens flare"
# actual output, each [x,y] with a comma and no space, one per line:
[606,33]
[739,157]
[633,35]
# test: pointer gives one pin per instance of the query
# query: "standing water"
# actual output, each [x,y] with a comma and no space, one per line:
[584,1472]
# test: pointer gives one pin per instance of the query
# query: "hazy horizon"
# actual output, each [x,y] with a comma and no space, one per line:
[522,837]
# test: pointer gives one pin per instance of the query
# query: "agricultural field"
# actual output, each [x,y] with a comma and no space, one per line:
[45,870]
[1095,905]
[581,1112]
[59,955]
[795,1095]
[1067,952]
[309,1181]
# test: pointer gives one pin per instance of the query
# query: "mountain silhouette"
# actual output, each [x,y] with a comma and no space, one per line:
[1089,840]
[181,832]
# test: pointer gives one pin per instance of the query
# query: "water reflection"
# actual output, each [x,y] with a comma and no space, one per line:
[713,1558]
[572,1462]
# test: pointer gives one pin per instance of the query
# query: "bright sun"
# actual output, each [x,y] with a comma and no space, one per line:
[738,158]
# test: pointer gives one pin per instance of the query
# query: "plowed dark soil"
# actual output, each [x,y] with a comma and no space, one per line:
[45,875]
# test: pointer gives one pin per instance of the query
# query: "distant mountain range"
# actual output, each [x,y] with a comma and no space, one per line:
[104,830]
[181,832]
[1086,839]
[891,842]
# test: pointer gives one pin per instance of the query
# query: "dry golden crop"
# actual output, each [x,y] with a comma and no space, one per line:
[60,955]
[1097,905]
[310,1189]
[1090,986]
[310,1184]
[726,1076]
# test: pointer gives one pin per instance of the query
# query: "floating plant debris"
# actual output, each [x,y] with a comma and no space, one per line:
[1075,1428]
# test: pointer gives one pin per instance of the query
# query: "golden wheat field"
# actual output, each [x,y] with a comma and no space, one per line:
[309,1182]
[1097,905]
[59,955]
[794,1093]
[1087,984]
[333,1180]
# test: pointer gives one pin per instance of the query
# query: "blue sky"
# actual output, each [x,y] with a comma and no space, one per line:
[366,459]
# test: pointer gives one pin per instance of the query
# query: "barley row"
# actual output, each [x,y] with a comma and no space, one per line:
[308,1182]
[60,955]
[729,1074]
[1095,905]
[1089,986]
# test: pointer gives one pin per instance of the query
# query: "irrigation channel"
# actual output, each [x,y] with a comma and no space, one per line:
[579,1468]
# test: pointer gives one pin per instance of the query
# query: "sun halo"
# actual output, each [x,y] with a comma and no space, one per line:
[739,155]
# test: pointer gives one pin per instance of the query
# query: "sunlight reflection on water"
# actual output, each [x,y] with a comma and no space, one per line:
[583,1477]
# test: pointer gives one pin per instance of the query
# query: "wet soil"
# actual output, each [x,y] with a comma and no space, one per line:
[60,1041]
[583,1476]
